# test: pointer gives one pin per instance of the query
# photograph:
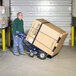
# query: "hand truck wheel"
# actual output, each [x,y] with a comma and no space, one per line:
[31,54]
[42,55]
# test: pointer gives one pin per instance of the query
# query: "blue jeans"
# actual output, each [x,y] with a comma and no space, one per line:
[17,41]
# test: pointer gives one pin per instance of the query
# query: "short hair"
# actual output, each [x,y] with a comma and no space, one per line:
[19,13]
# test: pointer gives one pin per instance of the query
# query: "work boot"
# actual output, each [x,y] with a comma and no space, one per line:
[17,54]
[22,53]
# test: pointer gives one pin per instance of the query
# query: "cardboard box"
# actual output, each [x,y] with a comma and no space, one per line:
[46,36]
[35,27]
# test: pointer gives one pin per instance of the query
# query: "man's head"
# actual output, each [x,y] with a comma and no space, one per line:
[20,15]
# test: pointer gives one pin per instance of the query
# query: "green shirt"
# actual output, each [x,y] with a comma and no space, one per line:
[18,26]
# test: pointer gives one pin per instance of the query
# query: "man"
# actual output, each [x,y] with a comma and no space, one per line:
[18,28]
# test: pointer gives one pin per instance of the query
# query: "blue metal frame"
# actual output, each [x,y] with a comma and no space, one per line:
[23,36]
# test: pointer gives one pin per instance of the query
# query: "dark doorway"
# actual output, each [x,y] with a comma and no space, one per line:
[1,2]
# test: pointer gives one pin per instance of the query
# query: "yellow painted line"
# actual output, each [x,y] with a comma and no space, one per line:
[3,39]
[8,36]
[72,36]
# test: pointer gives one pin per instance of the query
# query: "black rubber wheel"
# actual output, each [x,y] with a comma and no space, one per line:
[31,54]
[42,55]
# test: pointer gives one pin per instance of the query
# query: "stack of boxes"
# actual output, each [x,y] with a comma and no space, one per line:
[46,36]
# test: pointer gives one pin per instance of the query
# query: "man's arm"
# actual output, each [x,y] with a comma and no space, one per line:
[22,27]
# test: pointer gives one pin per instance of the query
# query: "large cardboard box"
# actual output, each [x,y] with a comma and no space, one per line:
[46,36]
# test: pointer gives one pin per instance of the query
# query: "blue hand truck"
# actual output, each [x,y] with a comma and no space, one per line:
[33,50]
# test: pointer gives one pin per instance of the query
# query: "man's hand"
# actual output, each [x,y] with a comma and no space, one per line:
[16,36]
[22,34]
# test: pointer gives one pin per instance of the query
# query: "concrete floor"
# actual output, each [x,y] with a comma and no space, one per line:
[63,64]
